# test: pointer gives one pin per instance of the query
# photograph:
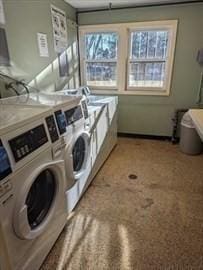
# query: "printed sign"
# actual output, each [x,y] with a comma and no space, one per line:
[59,29]
[42,45]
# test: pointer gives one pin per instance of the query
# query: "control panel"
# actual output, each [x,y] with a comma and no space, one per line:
[52,128]
[73,115]
[61,121]
[28,142]
[84,107]
[5,166]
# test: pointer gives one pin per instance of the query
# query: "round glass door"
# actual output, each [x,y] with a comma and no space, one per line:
[78,153]
[40,198]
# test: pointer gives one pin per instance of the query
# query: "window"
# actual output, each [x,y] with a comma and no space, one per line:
[132,58]
[148,50]
[101,59]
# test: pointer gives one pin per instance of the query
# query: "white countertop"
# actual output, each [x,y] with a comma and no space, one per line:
[197,118]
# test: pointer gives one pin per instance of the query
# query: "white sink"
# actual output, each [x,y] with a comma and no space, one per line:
[197,118]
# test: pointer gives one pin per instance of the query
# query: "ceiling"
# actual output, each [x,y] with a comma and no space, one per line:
[89,4]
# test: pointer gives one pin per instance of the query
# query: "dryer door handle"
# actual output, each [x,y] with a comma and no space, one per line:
[22,227]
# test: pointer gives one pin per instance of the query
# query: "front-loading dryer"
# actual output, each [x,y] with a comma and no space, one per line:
[66,115]
[32,189]
[76,93]
[80,146]
[79,150]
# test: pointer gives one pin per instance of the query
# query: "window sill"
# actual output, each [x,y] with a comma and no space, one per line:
[131,93]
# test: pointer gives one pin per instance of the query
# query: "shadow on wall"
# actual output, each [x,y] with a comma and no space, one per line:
[48,79]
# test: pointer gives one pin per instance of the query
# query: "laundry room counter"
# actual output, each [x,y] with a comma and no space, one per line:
[197,117]
[103,126]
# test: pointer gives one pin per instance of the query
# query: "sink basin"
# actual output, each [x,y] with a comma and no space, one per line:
[97,104]
[98,100]
[94,98]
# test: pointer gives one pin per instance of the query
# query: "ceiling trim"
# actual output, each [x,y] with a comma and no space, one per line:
[79,11]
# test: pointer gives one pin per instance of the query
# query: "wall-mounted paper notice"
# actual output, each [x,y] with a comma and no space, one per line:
[42,45]
[2,16]
[59,29]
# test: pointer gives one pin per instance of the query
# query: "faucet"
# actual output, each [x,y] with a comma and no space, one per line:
[85,91]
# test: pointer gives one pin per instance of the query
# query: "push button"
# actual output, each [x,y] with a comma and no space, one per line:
[18,153]
[1,191]
[26,148]
[22,151]
[7,186]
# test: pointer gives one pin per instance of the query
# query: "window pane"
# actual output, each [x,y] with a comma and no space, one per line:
[101,74]
[147,74]
[149,44]
[101,46]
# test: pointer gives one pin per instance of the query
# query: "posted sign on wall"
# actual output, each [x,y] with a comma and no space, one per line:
[59,29]
[42,45]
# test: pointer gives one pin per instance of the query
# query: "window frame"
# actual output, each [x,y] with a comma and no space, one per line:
[123,56]
[83,60]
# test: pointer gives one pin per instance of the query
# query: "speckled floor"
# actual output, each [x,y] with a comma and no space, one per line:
[152,222]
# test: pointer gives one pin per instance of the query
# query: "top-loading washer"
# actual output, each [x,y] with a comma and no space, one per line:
[32,188]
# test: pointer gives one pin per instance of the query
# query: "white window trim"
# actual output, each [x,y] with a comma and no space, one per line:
[98,28]
[123,61]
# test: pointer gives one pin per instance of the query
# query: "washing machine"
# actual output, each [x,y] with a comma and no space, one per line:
[69,116]
[80,151]
[61,107]
[81,145]
[90,114]
[80,92]
[32,188]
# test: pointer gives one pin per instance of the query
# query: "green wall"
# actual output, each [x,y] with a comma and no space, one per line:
[24,18]
[151,114]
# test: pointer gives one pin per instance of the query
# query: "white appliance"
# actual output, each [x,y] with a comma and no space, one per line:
[70,121]
[80,146]
[62,107]
[76,93]
[80,151]
[90,114]
[32,188]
